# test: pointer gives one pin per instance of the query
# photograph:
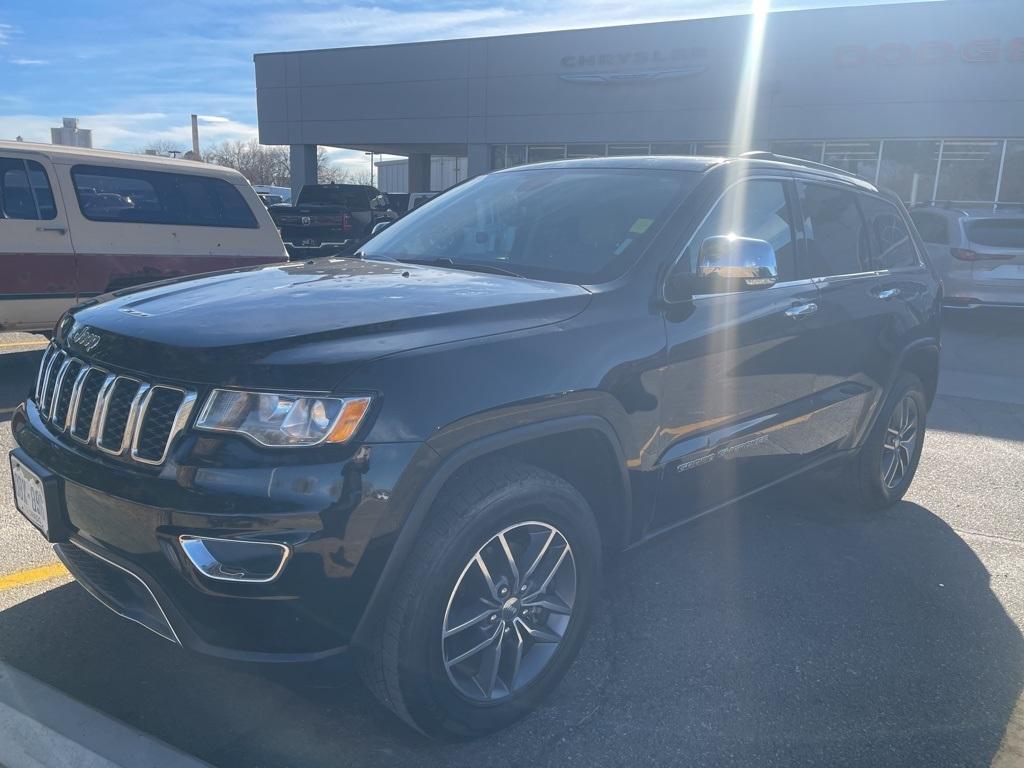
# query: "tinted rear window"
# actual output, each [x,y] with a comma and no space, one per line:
[996,233]
[131,195]
[348,197]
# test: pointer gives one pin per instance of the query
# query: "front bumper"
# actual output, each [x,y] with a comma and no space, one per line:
[123,526]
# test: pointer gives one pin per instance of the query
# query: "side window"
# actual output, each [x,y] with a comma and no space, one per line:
[25,191]
[757,209]
[139,196]
[933,228]
[837,240]
[890,238]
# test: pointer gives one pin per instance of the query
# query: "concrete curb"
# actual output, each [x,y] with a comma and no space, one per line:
[40,727]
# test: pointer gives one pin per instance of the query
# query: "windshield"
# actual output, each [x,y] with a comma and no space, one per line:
[570,225]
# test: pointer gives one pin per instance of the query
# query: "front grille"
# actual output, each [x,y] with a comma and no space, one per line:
[120,415]
[62,395]
[85,411]
[157,423]
[110,436]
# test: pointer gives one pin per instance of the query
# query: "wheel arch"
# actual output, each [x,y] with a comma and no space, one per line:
[611,504]
[922,359]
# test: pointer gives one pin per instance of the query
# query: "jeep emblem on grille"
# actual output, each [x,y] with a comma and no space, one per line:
[85,338]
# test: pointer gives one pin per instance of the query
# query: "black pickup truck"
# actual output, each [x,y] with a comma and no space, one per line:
[331,214]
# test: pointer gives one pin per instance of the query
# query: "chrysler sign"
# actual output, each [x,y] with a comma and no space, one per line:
[633,66]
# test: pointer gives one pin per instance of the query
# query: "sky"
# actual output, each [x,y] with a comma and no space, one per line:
[135,71]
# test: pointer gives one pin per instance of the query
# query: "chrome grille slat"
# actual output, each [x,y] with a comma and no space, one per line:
[57,418]
[50,380]
[83,419]
[122,416]
[51,350]
[140,451]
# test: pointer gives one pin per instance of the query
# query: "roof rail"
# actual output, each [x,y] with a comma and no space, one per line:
[760,154]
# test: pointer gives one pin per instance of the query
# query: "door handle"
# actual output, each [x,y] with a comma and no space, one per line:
[58,230]
[802,310]
[888,293]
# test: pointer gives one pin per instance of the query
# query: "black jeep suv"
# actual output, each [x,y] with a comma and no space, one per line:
[423,453]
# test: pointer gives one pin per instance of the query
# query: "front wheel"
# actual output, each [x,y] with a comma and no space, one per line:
[881,472]
[493,605]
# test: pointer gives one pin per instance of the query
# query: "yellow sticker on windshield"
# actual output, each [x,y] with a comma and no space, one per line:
[640,226]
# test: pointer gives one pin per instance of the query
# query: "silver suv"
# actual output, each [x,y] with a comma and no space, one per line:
[977,250]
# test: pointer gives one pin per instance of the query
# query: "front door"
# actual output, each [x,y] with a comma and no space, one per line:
[739,382]
[37,260]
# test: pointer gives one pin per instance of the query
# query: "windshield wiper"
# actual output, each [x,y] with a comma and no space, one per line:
[469,266]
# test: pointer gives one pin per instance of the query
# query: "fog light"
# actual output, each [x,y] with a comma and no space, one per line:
[235,560]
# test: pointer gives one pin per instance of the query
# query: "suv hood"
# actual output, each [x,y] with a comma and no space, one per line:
[305,326]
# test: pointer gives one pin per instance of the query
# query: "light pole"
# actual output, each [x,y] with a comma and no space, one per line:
[371,166]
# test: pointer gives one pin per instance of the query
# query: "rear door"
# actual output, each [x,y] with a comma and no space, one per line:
[856,344]
[37,259]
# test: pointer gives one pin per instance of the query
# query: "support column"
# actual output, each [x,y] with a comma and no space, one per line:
[302,159]
[419,173]
[479,160]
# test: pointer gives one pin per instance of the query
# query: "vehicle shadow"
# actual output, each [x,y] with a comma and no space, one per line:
[17,375]
[778,632]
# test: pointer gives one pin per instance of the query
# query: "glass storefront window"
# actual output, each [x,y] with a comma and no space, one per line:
[584,150]
[969,170]
[1012,188]
[805,150]
[672,148]
[625,150]
[497,157]
[515,154]
[908,168]
[536,153]
[859,157]
[713,149]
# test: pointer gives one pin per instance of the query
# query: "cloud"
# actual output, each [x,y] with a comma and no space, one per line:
[29,62]
[6,30]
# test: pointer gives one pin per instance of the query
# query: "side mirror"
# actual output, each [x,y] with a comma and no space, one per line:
[736,263]
[380,227]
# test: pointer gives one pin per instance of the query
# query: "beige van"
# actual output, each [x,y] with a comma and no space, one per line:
[75,223]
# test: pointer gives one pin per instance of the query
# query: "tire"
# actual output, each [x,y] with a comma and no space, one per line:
[498,511]
[870,480]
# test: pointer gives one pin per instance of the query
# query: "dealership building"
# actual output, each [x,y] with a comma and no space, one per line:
[924,98]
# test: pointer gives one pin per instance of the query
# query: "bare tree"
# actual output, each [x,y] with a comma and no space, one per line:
[263,163]
[259,163]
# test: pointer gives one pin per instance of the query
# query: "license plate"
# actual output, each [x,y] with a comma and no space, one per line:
[29,497]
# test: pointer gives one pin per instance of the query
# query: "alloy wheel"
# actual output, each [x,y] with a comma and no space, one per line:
[900,442]
[508,612]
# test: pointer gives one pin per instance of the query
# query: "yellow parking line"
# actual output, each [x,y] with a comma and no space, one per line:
[23,344]
[32,576]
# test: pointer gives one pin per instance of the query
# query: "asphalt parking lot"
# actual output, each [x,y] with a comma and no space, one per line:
[785,631]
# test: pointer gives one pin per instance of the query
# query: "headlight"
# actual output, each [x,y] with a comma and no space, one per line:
[282,420]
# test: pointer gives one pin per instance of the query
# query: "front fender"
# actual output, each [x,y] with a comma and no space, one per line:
[454,448]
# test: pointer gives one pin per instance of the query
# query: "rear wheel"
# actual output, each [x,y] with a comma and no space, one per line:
[493,605]
[881,472]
